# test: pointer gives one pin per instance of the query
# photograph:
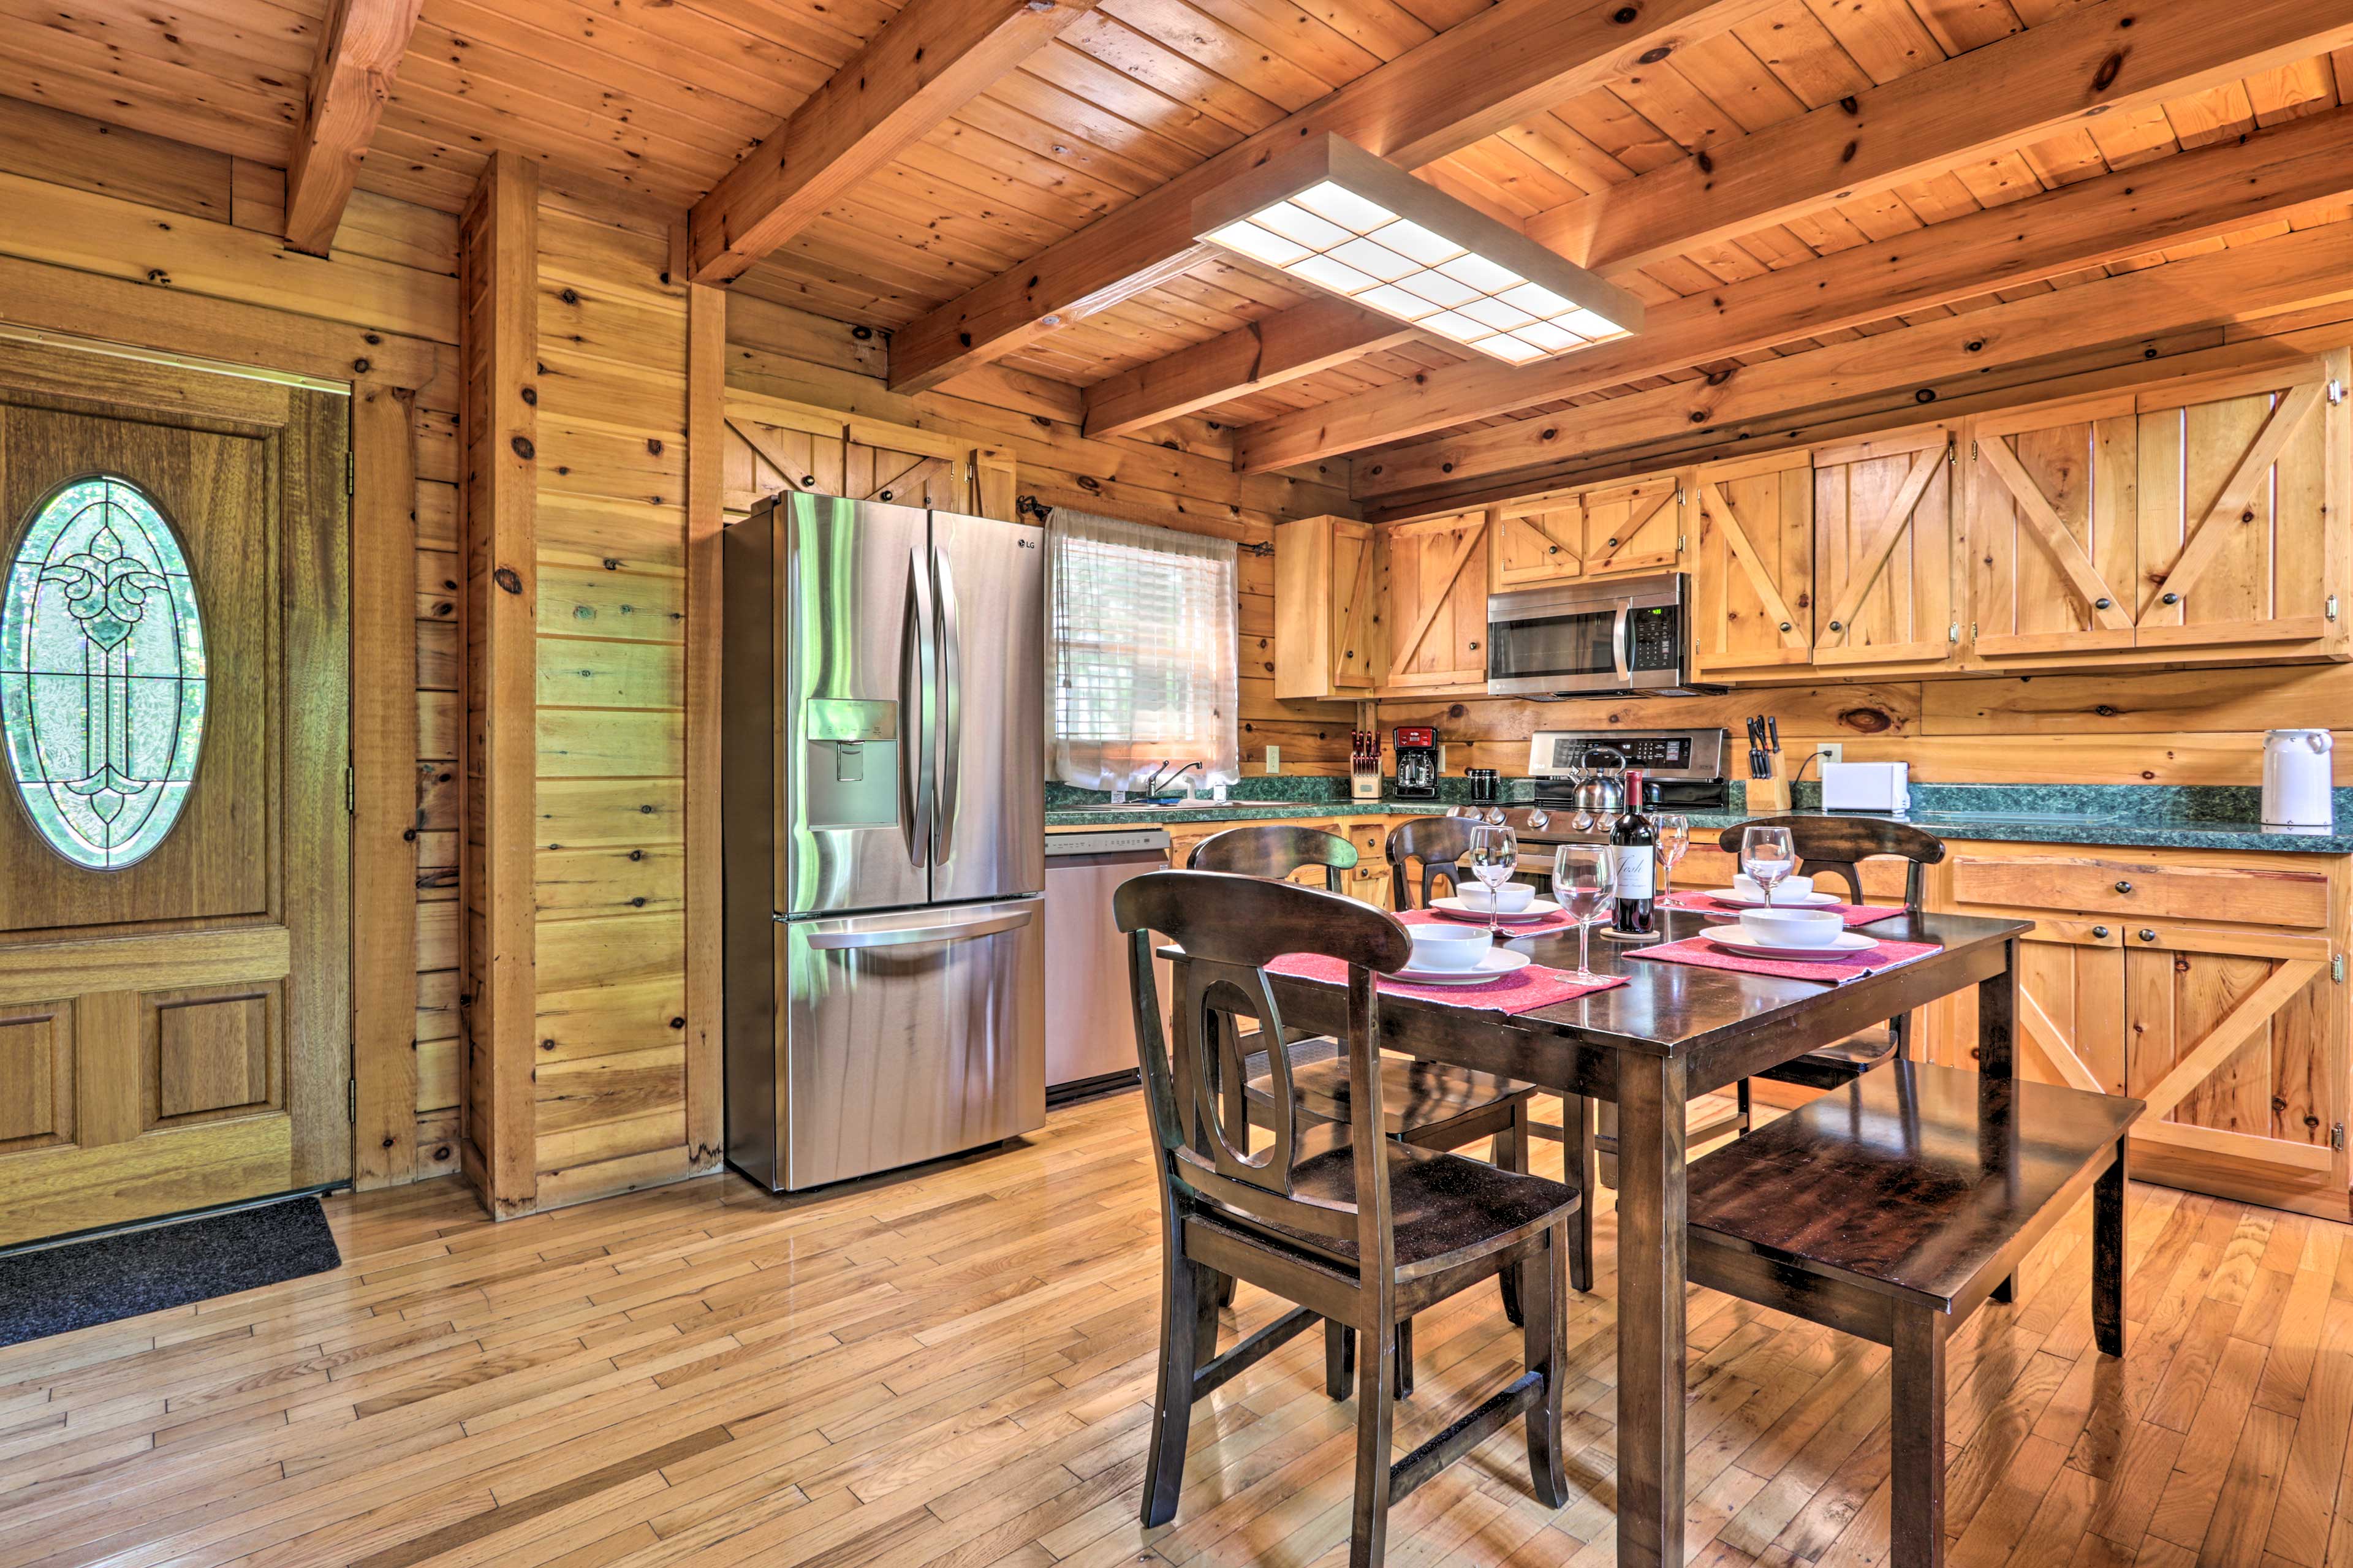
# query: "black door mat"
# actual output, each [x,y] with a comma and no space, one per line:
[55,1289]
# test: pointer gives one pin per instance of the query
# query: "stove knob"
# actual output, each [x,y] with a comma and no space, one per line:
[1538,819]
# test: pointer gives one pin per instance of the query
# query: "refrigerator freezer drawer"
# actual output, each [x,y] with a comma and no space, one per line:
[906,1037]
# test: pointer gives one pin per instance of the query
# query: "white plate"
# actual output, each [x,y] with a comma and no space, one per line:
[1455,909]
[1499,961]
[1742,901]
[1738,941]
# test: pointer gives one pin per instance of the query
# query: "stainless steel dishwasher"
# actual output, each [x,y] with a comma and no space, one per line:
[1090,1020]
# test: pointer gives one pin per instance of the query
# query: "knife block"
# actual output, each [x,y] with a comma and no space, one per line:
[1768,796]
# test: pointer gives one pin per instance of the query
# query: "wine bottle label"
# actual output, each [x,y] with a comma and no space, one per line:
[1634,872]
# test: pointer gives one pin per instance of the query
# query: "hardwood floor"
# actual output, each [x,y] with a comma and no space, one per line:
[953,1370]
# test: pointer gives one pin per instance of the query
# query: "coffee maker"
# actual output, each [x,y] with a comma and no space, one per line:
[1417,763]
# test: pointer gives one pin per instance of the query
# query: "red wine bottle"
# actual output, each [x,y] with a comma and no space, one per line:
[1634,847]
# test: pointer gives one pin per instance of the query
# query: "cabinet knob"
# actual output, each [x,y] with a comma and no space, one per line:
[1552,550]
[2170,598]
[2100,931]
[2123,887]
[2146,934]
[2102,603]
[1784,626]
[1835,625]
[1613,544]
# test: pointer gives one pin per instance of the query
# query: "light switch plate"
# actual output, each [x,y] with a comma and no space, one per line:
[1273,761]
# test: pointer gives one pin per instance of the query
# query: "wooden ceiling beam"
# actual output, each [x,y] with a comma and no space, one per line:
[358,55]
[1933,366]
[1282,347]
[1471,80]
[2211,191]
[928,61]
[2098,60]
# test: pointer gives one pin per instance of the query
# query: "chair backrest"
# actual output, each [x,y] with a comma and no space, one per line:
[1442,844]
[1275,850]
[1231,927]
[1837,844]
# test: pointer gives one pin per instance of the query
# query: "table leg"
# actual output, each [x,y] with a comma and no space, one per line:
[1651,1214]
[1998,1017]
[2109,1257]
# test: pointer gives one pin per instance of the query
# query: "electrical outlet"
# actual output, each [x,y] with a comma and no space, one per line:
[1273,761]
[1830,751]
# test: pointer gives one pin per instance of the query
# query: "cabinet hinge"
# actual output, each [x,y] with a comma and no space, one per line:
[351,792]
[352,1102]
[1973,451]
[1953,632]
[2337,1135]
[2330,607]
[2336,391]
[351,474]
[2337,968]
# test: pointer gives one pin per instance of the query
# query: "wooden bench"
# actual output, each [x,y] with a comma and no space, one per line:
[1894,1207]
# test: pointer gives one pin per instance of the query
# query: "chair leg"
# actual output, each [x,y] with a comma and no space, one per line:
[1187,1305]
[1339,1358]
[1900,1027]
[2108,1257]
[1375,1431]
[1748,1108]
[1576,1170]
[1224,1295]
[1916,1396]
[1510,1153]
[1546,1335]
[1404,1381]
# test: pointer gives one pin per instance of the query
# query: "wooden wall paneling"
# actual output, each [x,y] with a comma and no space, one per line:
[385,783]
[359,55]
[708,311]
[1886,550]
[1753,564]
[498,283]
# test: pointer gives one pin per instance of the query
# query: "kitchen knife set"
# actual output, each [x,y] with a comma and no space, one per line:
[1764,745]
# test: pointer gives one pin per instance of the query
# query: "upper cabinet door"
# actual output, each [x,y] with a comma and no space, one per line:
[1753,565]
[2237,479]
[1633,527]
[1883,550]
[1434,601]
[1540,540]
[2051,517]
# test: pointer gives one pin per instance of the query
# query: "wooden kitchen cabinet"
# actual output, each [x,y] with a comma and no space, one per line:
[1753,566]
[2205,983]
[2185,520]
[1887,553]
[1621,528]
[1327,620]
[1433,602]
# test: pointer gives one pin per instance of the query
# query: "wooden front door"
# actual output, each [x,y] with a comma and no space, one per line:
[175,855]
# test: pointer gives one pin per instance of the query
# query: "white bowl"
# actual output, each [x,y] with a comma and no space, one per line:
[1791,928]
[1510,898]
[1449,949]
[1793,889]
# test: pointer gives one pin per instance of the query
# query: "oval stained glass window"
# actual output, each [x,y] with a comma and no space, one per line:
[101,673]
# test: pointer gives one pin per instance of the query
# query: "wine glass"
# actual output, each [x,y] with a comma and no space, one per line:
[1674,842]
[1494,860]
[1766,855]
[1582,880]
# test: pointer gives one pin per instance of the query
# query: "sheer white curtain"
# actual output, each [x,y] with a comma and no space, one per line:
[1141,670]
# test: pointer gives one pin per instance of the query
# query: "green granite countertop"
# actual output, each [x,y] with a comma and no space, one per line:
[2150,817]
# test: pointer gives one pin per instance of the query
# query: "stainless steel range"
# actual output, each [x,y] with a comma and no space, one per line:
[1683,769]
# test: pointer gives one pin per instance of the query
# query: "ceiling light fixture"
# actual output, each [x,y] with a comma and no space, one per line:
[1330,214]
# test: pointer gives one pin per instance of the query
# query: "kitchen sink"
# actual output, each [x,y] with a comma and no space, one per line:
[1113,808]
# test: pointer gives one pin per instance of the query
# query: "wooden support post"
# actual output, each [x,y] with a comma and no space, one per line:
[706,409]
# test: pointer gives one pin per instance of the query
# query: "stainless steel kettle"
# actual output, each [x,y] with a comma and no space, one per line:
[1602,792]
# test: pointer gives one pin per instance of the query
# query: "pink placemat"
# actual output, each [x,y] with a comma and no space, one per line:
[1522,991]
[1705,954]
[1853,914]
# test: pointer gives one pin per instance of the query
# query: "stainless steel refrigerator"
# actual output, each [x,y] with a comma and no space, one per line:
[884,811]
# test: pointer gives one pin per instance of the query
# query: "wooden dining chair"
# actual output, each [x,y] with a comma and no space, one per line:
[1431,1105]
[1359,1228]
[1836,845]
[1440,846]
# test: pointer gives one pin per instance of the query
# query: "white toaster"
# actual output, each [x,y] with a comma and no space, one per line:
[1866,786]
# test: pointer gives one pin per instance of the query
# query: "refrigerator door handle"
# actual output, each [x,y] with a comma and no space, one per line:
[916,804]
[948,795]
[838,937]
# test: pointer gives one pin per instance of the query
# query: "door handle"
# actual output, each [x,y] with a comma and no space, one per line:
[950,774]
[844,937]
[915,804]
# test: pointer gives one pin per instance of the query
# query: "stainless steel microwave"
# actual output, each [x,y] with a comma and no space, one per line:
[1620,637]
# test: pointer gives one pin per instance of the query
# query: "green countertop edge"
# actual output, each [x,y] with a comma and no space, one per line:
[2153,834]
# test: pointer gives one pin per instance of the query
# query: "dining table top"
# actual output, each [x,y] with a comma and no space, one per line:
[1673,1010]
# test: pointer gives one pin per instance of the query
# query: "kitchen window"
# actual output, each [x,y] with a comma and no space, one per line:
[1140,671]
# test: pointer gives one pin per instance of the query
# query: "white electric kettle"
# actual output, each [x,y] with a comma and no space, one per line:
[2296,779]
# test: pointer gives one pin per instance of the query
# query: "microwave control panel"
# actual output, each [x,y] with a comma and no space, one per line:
[1657,636]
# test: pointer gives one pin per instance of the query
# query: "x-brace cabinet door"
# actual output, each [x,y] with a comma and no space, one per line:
[1434,601]
[1753,565]
[2052,529]
[1884,551]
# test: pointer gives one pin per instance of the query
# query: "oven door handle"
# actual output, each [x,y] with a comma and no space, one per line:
[1618,637]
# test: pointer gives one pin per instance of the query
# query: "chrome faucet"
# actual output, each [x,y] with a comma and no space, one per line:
[1156,784]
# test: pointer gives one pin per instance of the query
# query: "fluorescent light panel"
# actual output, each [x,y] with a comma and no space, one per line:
[1327,214]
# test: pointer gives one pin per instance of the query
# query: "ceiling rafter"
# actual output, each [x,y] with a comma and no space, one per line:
[928,61]
[359,54]
[2105,57]
[1468,82]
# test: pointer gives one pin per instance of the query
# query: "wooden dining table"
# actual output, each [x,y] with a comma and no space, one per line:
[1670,1032]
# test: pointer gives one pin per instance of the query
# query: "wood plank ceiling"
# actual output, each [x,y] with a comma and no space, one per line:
[656,99]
